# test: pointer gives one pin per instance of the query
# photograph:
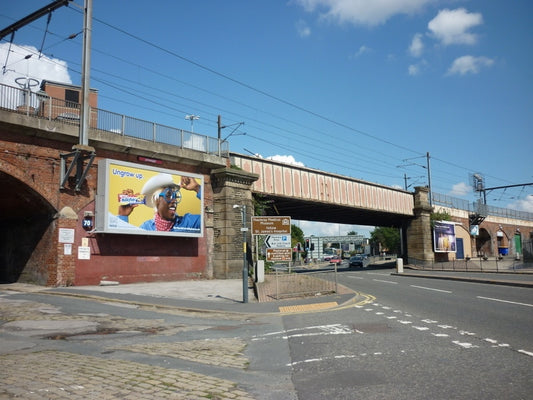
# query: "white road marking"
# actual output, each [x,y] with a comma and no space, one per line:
[505,301]
[429,321]
[428,288]
[527,353]
[440,334]
[421,328]
[381,280]
[464,344]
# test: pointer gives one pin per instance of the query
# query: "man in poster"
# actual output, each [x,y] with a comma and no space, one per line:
[163,195]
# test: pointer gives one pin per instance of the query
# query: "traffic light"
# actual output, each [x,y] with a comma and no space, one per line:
[312,246]
[307,244]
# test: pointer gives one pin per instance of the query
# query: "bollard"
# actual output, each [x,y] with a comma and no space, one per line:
[260,271]
[399,265]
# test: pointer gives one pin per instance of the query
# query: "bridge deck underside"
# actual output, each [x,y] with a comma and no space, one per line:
[327,212]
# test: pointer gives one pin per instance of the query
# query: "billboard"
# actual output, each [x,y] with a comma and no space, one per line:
[444,237]
[144,200]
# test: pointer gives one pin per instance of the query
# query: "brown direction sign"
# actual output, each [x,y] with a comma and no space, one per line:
[279,254]
[271,225]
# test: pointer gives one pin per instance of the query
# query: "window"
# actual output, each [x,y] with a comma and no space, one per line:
[72,96]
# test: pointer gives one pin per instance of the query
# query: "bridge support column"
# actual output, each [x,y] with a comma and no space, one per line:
[419,242]
[230,187]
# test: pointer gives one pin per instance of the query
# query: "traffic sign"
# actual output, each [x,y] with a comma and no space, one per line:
[279,254]
[271,225]
[278,241]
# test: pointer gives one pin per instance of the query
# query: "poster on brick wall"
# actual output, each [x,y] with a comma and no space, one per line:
[138,199]
[444,237]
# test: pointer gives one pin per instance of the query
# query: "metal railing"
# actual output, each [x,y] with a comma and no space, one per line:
[40,105]
[475,264]
[289,284]
[475,207]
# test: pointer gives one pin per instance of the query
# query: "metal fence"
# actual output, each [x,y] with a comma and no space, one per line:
[476,264]
[478,207]
[40,105]
[287,284]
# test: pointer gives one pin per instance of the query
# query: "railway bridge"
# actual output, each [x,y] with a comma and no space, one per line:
[64,204]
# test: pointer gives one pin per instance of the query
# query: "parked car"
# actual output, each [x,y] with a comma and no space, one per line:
[357,261]
[335,260]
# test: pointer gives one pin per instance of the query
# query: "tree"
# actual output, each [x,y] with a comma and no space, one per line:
[297,236]
[389,238]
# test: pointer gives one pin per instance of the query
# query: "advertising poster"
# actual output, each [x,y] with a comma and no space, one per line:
[138,199]
[444,237]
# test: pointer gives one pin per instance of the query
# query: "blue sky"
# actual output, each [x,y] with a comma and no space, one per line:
[359,88]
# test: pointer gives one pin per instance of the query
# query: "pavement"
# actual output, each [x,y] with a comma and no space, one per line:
[227,295]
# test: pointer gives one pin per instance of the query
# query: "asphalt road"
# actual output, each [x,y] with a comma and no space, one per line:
[419,339]
[406,338]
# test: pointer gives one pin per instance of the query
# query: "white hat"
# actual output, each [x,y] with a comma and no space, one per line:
[156,182]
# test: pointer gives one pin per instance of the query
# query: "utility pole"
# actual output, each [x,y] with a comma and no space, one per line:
[429,181]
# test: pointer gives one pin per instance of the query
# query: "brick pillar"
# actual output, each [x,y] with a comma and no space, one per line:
[62,269]
[230,187]
[419,242]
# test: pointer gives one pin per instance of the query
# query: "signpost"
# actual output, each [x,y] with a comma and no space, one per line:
[278,239]
[271,225]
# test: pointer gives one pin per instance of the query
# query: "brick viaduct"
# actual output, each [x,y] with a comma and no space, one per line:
[35,210]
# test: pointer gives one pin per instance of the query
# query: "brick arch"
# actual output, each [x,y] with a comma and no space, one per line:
[484,242]
[26,217]
[12,175]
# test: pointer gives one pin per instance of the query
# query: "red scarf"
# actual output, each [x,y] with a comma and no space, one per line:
[162,224]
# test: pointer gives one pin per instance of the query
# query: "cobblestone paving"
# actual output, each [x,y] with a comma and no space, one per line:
[53,374]
[220,352]
[61,375]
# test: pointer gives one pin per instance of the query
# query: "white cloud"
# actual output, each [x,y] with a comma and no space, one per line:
[461,189]
[417,46]
[469,64]
[413,69]
[34,67]
[452,26]
[286,160]
[362,50]
[525,204]
[362,12]
[303,29]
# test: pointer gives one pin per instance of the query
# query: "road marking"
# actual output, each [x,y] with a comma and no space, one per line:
[464,344]
[505,301]
[380,280]
[528,353]
[428,288]
[421,328]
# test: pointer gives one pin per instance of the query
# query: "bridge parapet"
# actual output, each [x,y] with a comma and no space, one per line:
[313,185]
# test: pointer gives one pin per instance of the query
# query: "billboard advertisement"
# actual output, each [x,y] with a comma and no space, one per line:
[144,200]
[444,237]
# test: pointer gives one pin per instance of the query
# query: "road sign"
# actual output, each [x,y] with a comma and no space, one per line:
[278,241]
[271,225]
[279,254]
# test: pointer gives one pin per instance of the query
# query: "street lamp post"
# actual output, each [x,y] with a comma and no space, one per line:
[192,118]
[244,229]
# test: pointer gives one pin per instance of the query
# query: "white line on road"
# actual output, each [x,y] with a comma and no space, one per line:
[428,288]
[505,301]
[526,352]
[379,280]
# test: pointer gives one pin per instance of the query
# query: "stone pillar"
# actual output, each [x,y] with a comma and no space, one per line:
[230,187]
[419,242]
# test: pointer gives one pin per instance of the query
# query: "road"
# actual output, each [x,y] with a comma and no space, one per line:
[419,339]
[407,338]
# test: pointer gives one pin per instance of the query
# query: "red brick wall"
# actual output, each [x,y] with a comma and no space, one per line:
[124,258]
